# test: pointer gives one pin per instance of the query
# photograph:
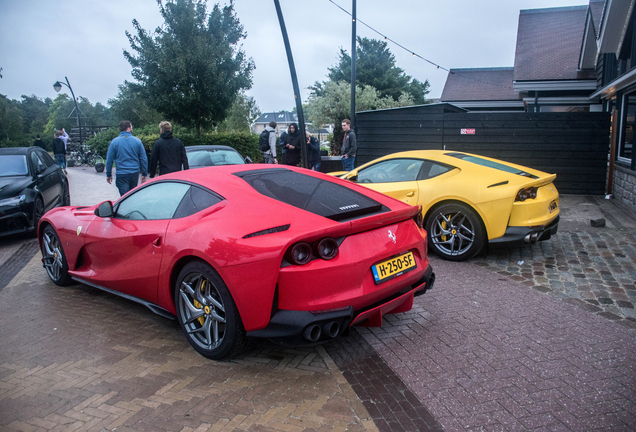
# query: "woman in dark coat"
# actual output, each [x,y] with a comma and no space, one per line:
[292,145]
[313,152]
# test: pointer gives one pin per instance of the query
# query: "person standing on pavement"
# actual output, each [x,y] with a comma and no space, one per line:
[168,151]
[281,144]
[292,145]
[129,155]
[269,157]
[349,146]
[59,150]
[39,143]
[313,152]
[64,138]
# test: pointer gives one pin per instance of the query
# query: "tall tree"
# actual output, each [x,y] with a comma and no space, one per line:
[241,116]
[375,66]
[11,123]
[130,105]
[35,113]
[192,68]
[334,104]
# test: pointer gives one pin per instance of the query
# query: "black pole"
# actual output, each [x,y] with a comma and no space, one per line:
[353,65]
[79,123]
[292,70]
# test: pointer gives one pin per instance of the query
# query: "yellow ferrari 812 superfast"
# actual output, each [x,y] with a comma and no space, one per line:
[468,201]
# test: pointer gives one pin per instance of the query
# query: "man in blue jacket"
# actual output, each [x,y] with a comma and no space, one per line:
[129,156]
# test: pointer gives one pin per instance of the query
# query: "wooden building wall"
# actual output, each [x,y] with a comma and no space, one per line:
[575,146]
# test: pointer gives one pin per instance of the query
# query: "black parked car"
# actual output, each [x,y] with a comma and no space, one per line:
[31,183]
[214,155]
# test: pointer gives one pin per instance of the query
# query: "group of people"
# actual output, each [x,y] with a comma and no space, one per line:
[129,155]
[290,145]
[60,138]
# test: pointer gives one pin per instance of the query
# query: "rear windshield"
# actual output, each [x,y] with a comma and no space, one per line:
[11,165]
[491,164]
[317,196]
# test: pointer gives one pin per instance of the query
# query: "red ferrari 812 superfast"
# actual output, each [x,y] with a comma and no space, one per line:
[246,251]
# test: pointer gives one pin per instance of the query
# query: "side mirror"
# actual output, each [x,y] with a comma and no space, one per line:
[39,169]
[104,210]
[248,160]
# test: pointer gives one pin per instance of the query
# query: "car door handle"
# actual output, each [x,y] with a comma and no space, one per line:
[410,194]
[157,242]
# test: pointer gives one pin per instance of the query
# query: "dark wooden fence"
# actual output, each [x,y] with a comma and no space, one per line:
[87,132]
[575,146]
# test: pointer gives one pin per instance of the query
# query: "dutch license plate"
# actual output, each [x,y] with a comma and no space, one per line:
[553,206]
[393,267]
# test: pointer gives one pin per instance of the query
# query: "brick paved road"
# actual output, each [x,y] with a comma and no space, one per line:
[594,268]
[486,353]
[497,345]
[76,358]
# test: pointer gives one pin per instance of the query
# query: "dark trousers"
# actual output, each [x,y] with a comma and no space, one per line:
[126,182]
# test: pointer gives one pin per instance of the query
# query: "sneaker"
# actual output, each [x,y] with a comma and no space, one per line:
[65,172]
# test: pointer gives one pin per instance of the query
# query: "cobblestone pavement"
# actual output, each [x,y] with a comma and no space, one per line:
[496,345]
[594,268]
[485,353]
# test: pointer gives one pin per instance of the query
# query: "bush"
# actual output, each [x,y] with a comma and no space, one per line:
[245,143]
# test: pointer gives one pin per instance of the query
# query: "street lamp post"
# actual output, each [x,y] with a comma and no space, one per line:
[57,87]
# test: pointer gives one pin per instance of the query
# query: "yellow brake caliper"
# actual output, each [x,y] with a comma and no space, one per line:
[199,305]
[444,227]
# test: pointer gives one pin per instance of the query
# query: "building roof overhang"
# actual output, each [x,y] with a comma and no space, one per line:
[589,49]
[617,85]
[554,85]
[482,104]
[614,24]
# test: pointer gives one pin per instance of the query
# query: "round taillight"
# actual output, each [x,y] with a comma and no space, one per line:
[327,248]
[300,253]
[522,195]
[533,193]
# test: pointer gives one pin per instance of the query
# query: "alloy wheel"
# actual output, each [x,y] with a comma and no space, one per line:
[202,311]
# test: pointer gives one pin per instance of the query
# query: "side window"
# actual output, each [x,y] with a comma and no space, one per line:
[156,201]
[391,171]
[195,200]
[46,158]
[37,163]
[432,169]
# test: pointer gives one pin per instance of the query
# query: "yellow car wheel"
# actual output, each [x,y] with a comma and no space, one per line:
[455,232]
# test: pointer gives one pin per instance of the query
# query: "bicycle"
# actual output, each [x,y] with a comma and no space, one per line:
[82,156]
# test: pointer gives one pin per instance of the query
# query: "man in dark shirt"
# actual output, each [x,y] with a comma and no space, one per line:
[349,146]
[39,143]
[168,151]
[59,150]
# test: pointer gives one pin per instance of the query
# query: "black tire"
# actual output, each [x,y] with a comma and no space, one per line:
[38,212]
[66,199]
[455,232]
[207,313]
[54,258]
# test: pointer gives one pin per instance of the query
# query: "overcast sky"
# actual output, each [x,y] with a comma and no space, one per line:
[42,41]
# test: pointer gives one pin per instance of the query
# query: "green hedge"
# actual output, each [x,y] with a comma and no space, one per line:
[245,143]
